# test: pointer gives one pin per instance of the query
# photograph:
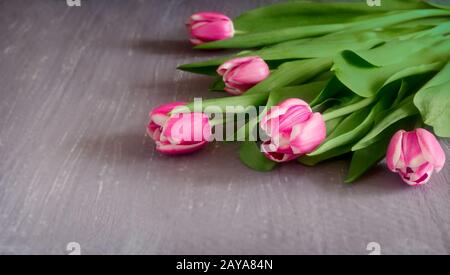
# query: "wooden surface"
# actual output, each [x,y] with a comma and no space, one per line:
[76,86]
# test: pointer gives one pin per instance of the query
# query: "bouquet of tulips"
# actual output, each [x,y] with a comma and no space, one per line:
[314,81]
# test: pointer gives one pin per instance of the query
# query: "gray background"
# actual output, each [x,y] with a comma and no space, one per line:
[76,86]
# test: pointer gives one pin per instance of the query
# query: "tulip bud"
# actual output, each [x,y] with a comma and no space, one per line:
[240,74]
[209,26]
[293,130]
[415,155]
[180,133]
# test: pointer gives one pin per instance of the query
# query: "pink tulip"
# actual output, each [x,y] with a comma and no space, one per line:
[180,133]
[415,155]
[240,74]
[209,26]
[293,130]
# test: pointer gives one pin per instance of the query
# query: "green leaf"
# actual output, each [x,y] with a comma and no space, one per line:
[330,103]
[251,155]
[291,73]
[259,39]
[332,124]
[422,22]
[270,37]
[440,6]
[333,88]
[410,85]
[358,123]
[208,67]
[405,109]
[324,46]
[397,50]
[433,101]
[366,158]
[335,152]
[347,108]
[295,13]
[371,78]
[350,129]
[218,85]
[306,92]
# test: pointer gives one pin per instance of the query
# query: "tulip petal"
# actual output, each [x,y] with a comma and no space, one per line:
[280,157]
[412,152]
[233,91]
[158,117]
[177,149]
[418,176]
[252,72]
[159,114]
[209,26]
[180,133]
[208,16]
[293,102]
[293,130]
[431,149]
[241,74]
[294,115]
[307,136]
[394,155]
[187,128]
[196,41]
[271,119]
[270,152]
[232,64]
[154,131]
[211,31]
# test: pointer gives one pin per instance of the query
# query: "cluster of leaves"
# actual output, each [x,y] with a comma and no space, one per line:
[370,70]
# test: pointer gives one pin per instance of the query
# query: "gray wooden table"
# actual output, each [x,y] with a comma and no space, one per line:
[76,86]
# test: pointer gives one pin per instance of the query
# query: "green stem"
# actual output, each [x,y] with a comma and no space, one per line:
[239,32]
[348,109]
[419,123]
[395,18]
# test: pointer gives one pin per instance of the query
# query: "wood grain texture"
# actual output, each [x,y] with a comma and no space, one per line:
[76,86]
